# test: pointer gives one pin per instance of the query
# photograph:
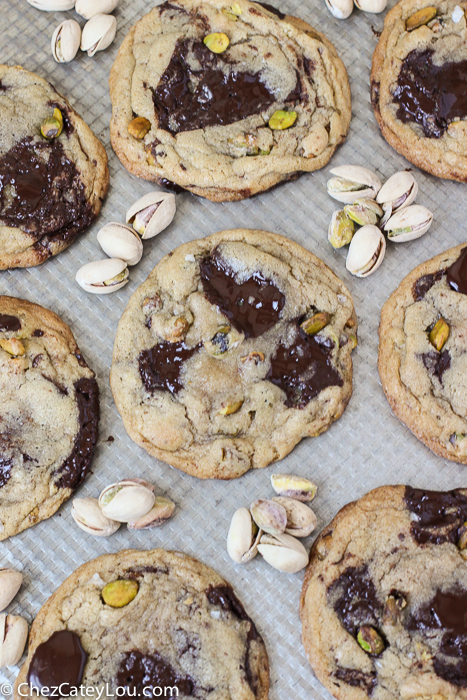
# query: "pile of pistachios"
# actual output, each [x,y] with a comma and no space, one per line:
[344,8]
[131,501]
[375,208]
[271,527]
[149,216]
[13,628]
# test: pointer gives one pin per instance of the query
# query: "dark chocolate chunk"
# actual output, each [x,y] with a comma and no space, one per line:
[437,362]
[161,365]
[273,10]
[9,323]
[59,661]
[423,285]
[431,95]
[356,678]
[354,598]
[169,185]
[457,273]
[37,333]
[5,469]
[252,306]
[303,369]
[375,88]
[439,514]
[141,673]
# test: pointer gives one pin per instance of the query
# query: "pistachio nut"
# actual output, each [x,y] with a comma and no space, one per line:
[269,516]
[340,8]
[419,18]
[152,213]
[398,192]
[316,323]
[341,229]
[66,41]
[351,182]
[89,8]
[139,127]
[409,223]
[255,356]
[225,339]
[366,251]
[13,637]
[393,609]
[370,640]
[292,486]
[98,33]
[217,42]
[103,276]
[12,346]
[120,593]
[52,127]
[52,5]
[127,500]
[371,5]
[364,211]
[283,552]
[281,120]
[462,541]
[243,537]
[162,510]
[233,12]
[121,242]
[10,583]
[439,334]
[227,409]
[457,14]
[301,521]
[89,517]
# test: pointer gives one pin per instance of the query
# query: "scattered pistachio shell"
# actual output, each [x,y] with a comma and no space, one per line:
[13,636]
[89,8]
[52,127]
[301,521]
[89,517]
[366,251]
[291,486]
[439,334]
[98,33]
[371,5]
[120,593]
[139,127]
[341,229]
[127,500]
[103,276]
[370,640]
[52,5]
[243,537]
[351,182]
[283,552]
[340,8]
[152,213]
[398,192]
[269,516]
[66,41]
[10,583]
[281,120]
[419,18]
[409,223]
[121,242]
[162,510]
[12,346]
[217,42]
[316,323]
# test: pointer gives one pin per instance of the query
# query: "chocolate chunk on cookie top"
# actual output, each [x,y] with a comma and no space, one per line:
[184,634]
[49,415]
[384,601]
[226,100]
[235,348]
[423,353]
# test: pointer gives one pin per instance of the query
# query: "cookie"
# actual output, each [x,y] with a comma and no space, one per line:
[188,116]
[50,189]
[180,626]
[212,371]
[389,571]
[423,353]
[49,415]
[419,85]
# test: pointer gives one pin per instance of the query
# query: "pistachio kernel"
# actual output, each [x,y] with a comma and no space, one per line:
[139,127]
[281,120]
[119,593]
[12,346]
[316,323]
[419,18]
[254,356]
[217,42]
[233,12]
[370,640]
[439,334]
[230,408]
[52,127]
[117,279]
[462,541]
[392,609]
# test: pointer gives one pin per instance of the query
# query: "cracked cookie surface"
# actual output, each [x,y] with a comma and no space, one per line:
[427,385]
[391,562]
[212,371]
[208,114]
[50,189]
[419,85]
[185,628]
[49,414]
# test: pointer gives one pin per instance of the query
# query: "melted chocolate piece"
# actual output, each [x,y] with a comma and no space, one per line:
[37,333]
[273,10]
[354,598]
[252,306]
[5,470]
[440,514]
[76,466]
[187,99]
[356,678]
[9,323]
[138,673]
[457,273]
[437,362]
[58,661]
[423,285]
[304,369]
[160,366]
[430,95]
[169,185]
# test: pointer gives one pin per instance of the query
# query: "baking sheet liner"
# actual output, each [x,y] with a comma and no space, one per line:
[366,448]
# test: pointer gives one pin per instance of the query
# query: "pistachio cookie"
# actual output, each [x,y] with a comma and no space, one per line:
[235,348]
[419,85]
[49,409]
[53,170]
[423,353]
[384,600]
[226,100]
[146,621]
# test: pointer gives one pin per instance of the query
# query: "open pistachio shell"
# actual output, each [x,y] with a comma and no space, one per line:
[301,521]
[10,583]
[351,182]
[152,213]
[409,223]
[89,517]
[13,637]
[121,242]
[89,8]
[366,251]
[371,5]
[52,5]
[398,192]
[283,552]
[243,537]
[269,516]
[103,276]
[98,33]
[127,500]
[66,41]
[340,8]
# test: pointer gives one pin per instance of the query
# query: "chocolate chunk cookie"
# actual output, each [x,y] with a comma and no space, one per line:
[235,348]
[423,353]
[49,412]
[51,189]
[419,85]
[384,601]
[144,621]
[226,100]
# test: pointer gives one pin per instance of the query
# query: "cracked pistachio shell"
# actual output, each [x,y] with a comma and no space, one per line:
[340,8]
[10,583]
[52,5]
[128,500]
[103,276]
[152,213]
[121,242]
[409,223]
[269,516]
[292,486]
[398,192]
[351,182]
[89,517]
[66,41]
[13,637]
[89,8]
[371,5]
[301,521]
[98,33]
[162,510]
[243,537]
[283,552]
[366,251]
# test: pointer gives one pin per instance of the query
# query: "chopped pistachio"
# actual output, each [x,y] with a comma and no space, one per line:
[421,17]
[316,323]
[217,42]
[370,640]
[281,120]
[439,334]
[139,127]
